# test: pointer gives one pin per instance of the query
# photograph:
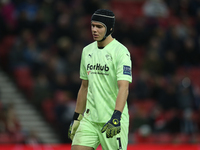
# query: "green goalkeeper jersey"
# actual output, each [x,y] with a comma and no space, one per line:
[103,68]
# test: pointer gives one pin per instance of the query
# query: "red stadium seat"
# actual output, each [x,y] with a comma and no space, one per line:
[5,47]
[48,110]
[137,54]
[182,138]
[138,139]
[24,79]
[164,138]
[5,138]
[145,105]
[127,10]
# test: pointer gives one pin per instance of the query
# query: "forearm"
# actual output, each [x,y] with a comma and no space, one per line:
[80,108]
[112,127]
[81,100]
[122,96]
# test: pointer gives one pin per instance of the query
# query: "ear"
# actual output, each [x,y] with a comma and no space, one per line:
[111,30]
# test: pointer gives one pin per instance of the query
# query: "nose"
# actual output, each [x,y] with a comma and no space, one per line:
[94,28]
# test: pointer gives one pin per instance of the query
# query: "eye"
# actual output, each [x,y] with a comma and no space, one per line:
[99,26]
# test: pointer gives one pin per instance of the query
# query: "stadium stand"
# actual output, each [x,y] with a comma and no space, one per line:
[41,43]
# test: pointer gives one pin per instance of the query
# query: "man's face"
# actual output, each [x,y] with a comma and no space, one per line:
[98,30]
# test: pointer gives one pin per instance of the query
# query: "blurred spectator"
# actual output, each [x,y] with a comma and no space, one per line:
[3,27]
[155,8]
[41,90]
[10,127]
[197,25]
[169,63]
[157,120]
[32,138]
[190,56]
[188,124]
[173,121]
[172,40]
[168,97]
[186,98]
[152,63]
[139,33]
[31,55]
[138,120]
[141,89]
[61,82]
[2,120]
[12,123]
[74,83]
[30,7]
[92,5]
[64,109]
[63,26]
[8,13]
[64,45]
[156,86]
[16,56]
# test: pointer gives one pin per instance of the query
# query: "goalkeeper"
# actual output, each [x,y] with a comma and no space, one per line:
[105,71]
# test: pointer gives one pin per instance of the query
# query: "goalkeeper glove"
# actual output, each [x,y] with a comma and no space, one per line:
[112,127]
[74,125]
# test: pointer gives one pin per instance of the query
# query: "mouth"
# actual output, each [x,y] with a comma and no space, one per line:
[95,35]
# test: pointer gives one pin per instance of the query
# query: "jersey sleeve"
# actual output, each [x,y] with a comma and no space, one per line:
[124,66]
[83,71]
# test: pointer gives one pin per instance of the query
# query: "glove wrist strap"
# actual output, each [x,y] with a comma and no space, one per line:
[77,116]
[117,114]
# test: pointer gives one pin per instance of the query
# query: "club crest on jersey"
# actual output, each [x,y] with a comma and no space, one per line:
[108,57]
[127,70]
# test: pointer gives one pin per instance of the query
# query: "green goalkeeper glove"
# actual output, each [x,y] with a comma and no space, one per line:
[112,127]
[74,125]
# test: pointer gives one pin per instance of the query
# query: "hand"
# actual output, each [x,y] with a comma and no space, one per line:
[112,127]
[74,125]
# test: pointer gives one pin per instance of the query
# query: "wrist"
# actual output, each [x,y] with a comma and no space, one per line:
[77,116]
[117,114]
